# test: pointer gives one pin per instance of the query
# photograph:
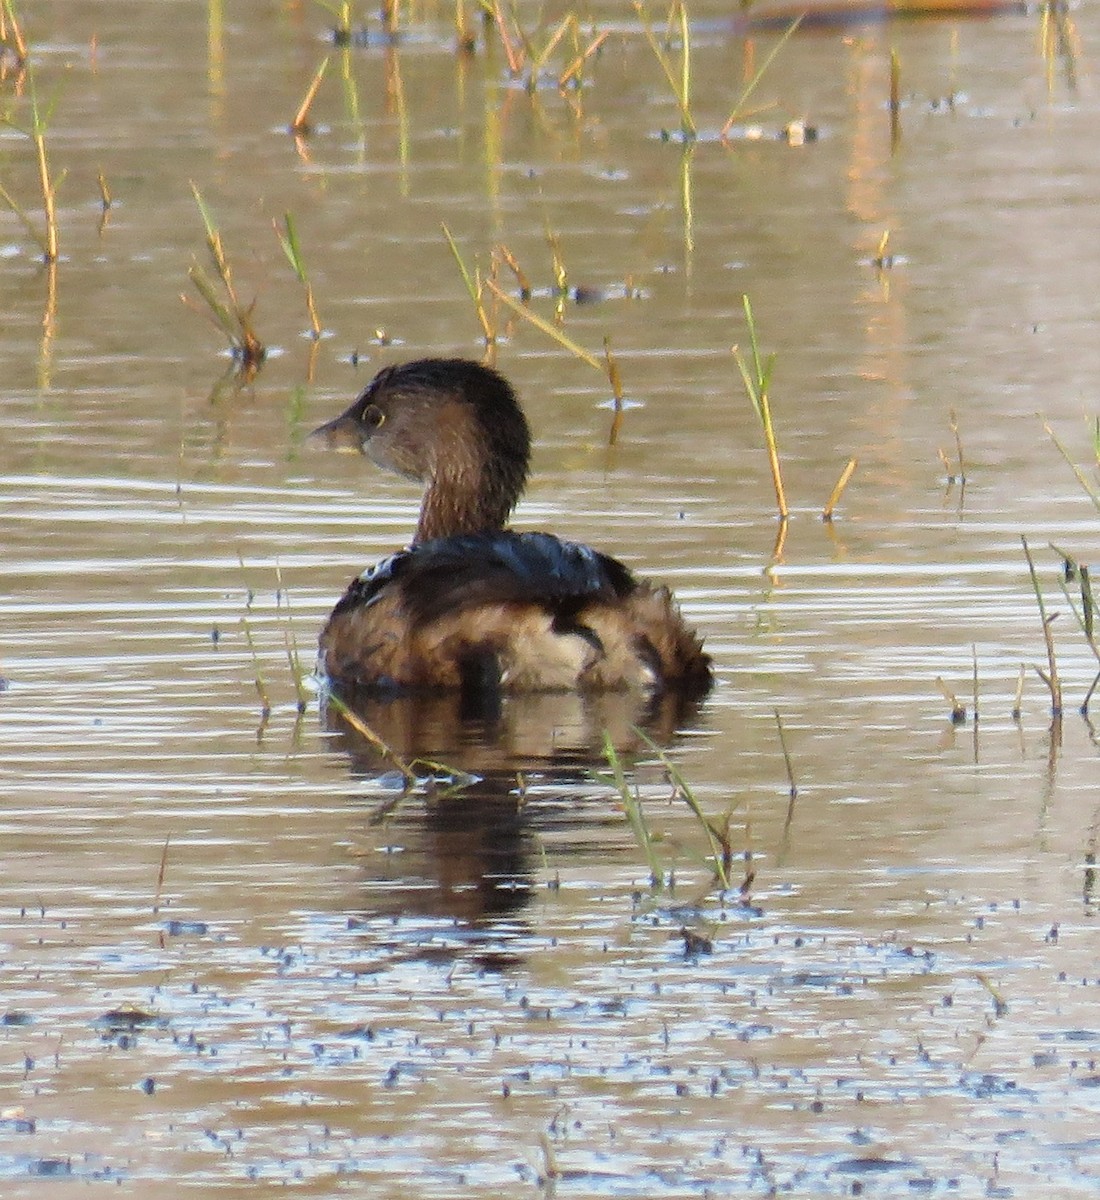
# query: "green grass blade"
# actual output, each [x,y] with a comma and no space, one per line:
[471,286]
[1082,478]
[221,315]
[632,809]
[291,248]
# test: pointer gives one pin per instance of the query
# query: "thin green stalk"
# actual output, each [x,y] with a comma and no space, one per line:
[294,659]
[750,87]
[47,238]
[678,80]
[721,854]
[632,808]
[293,252]
[234,320]
[1082,478]
[756,386]
[475,287]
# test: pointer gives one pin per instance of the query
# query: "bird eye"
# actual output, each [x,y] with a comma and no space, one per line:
[372,416]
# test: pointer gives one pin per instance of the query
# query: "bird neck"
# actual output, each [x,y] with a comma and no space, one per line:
[466,494]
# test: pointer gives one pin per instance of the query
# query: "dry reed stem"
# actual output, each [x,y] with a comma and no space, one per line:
[616,381]
[953,425]
[1018,700]
[11,31]
[514,54]
[574,69]
[780,540]
[261,686]
[895,99]
[513,265]
[545,326]
[161,872]
[475,287]
[958,709]
[49,188]
[301,125]
[364,730]
[838,490]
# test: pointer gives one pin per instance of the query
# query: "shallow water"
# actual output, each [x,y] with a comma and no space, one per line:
[230,953]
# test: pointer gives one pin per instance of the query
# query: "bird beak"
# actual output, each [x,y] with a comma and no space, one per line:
[344,434]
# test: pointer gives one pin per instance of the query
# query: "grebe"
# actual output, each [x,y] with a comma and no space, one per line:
[472,605]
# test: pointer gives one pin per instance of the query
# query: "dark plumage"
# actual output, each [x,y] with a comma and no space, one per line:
[470,604]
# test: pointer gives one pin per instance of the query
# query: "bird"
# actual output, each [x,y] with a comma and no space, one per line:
[472,604]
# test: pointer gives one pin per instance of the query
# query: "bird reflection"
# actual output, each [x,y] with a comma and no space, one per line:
[467,846]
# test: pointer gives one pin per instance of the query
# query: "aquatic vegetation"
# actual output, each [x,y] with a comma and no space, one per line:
[45,238]
[894,104]
[1085,616]
[12,39]
[527,60]
[631,801]
[288,239]
[298,673]
[300,126]
[717,833]
[740,111]
[475,287]
[1086,483]
[757,380]
[678,73]
[233,319]
[1050,675]
[838,489]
